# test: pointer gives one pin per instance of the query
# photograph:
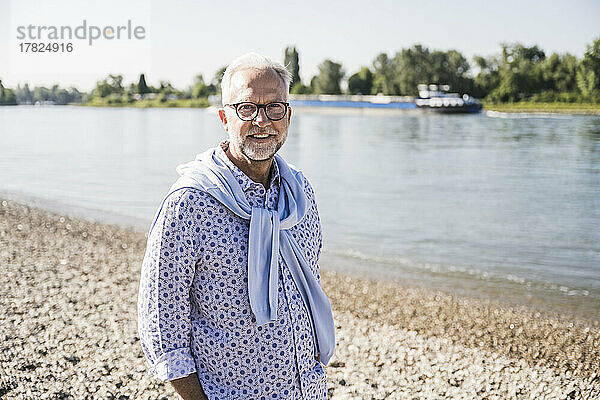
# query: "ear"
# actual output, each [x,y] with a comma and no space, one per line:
[289,115]
[223,118]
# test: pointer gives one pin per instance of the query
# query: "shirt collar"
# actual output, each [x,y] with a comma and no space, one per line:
[244,181]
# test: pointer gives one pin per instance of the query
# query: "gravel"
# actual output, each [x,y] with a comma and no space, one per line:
[68,328]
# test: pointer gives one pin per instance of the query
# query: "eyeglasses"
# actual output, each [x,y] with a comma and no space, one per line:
[247,111]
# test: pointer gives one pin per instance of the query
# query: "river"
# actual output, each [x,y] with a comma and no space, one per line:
[500,206]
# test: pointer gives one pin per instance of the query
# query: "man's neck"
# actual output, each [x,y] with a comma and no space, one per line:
[258,171]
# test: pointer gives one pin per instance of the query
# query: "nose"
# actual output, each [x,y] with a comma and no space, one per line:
[261,119]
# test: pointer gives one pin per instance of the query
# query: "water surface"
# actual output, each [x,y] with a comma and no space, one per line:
[503,207]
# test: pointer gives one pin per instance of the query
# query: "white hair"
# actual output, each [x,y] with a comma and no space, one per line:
[252,61]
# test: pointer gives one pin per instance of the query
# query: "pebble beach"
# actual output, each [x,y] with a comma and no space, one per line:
[68,328]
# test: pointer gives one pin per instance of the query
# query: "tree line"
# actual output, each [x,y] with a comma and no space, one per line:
[517,73]
[7,96]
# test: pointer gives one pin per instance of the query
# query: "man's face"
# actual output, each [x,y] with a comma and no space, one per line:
[248,137]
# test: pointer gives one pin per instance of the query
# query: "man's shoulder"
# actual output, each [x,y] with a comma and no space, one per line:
[188,200]
[187,205]
[186,194]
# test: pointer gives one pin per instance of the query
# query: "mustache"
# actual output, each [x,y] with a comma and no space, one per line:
[267,129]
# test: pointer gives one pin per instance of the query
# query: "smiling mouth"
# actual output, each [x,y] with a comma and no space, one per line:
[260,136]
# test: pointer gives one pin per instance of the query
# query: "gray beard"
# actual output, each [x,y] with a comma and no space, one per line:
[259,153]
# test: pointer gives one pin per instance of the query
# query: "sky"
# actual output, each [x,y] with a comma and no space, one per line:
[184,38]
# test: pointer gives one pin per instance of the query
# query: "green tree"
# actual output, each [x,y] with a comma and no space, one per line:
[383,75]
[167,88]
[113,85]
[41,93]
[559,74]
[520,73]
[361,82]
[292,63]
[116,83]
[56,94]
[216,80]
[24,94]
[60,96]
[412,67]
[588,73]
[142,87]
[200,89]
[450,68]
[7,96]
[131,90]
[75,95]
[416,65]
[300,88]
[329,78]
[488,77]
[102,89]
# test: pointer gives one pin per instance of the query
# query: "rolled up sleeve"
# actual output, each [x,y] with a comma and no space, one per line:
[164,295]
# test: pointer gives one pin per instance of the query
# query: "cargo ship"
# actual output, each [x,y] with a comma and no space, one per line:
[436,98]
[431,98]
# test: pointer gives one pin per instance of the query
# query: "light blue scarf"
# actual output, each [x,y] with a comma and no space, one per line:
[269,237]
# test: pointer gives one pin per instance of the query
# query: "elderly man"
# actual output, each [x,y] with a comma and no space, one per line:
[230,303]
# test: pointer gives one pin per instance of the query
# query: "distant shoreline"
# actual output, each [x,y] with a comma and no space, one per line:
[521,108]
[552,108]
[524,107]
[154,103]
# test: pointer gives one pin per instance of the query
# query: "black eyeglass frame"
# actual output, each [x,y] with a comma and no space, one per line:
[258,107]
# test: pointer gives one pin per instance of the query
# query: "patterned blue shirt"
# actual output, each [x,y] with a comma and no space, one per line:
[194,313]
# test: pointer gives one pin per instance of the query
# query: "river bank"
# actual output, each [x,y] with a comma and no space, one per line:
[520,107]
[69,328]
[538,107]
[158,102]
